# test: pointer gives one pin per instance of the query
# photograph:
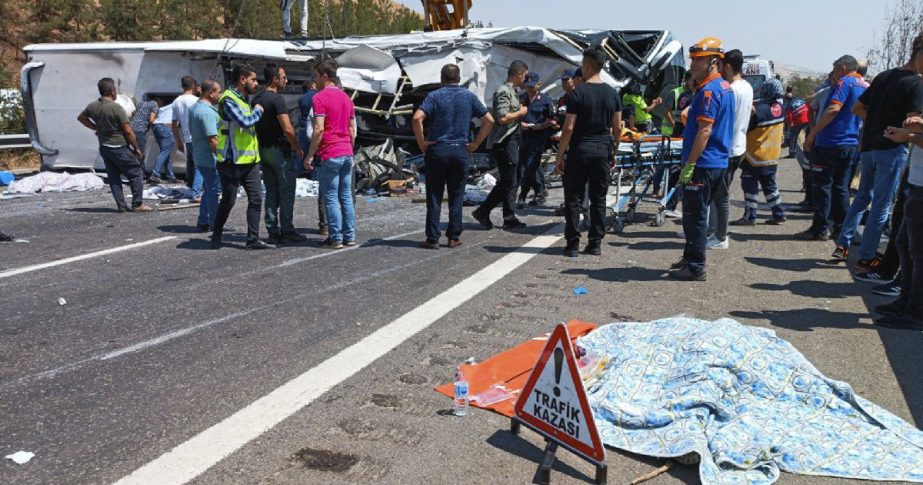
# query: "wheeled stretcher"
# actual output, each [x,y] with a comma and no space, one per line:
[638,164]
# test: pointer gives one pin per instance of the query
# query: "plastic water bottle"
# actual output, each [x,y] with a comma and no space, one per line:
[461,394]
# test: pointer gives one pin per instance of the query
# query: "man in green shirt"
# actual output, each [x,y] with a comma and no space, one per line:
[503,146]
[117,145]
[643,117]
[203,126]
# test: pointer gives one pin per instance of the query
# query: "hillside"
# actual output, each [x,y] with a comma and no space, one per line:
[142,20]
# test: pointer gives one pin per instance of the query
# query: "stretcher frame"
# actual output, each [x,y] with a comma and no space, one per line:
[641,167]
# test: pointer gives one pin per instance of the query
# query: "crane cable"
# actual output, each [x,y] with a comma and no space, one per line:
[329,29]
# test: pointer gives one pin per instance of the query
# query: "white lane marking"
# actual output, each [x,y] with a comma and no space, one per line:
[170,336]
[60,262]
[52,373]
[367,244]
[193,457]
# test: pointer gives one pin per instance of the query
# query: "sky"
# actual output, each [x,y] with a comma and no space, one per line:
[809,34]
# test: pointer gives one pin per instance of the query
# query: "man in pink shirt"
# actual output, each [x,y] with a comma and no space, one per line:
[332,142]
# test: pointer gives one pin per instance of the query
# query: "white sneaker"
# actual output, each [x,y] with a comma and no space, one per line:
[713,243]
[674,214]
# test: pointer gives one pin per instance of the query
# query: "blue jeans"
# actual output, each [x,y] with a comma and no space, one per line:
[211,184]
[831,171]
[446,168]
[698,195]
[164,137]
[142,144]
[336,187]
[881,172]
[195,175]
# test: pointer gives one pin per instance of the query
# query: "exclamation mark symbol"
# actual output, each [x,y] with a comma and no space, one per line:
[558,364]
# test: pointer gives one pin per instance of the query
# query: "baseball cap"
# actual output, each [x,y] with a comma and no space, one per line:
[568,74]
[531,79]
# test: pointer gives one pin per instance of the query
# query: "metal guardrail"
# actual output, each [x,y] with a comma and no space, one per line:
[15,141]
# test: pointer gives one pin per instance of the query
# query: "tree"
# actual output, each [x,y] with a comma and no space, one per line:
[903,21]
[65,20]
[39,21]
[804,86]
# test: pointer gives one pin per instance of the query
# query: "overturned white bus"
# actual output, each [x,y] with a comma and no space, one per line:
[387,75]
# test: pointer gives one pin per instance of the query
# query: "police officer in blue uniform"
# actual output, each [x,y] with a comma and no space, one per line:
[537,127]
[706,148]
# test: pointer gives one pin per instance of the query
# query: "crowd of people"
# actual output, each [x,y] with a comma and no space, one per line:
[233,137]
[243,136]
[725,126]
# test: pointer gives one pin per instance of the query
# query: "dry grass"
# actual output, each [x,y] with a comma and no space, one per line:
[21,159]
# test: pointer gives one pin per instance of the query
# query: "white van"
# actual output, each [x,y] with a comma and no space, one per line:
[757,71]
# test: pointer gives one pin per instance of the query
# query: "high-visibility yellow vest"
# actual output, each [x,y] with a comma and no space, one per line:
[235,142]
[666,128]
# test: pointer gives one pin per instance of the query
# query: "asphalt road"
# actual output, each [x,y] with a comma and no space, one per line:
[163,341]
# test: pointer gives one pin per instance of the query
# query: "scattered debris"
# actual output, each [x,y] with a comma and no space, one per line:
[21,457]
[307,188]
[380,169]
[580,291]
[325,460]
[62,301]
[473,195]
[177,206]
[654,474]
[487,182]
[497,393]
[179,194]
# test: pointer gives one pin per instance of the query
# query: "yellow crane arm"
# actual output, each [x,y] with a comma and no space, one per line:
[446,14]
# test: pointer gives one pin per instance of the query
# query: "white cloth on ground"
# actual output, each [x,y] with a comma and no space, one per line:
[56,182]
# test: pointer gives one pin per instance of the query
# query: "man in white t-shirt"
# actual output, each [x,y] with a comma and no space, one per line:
[181,106]
[743,106]
[125,102]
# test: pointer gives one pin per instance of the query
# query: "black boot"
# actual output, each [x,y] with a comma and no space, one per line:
[593,248]
[572,250]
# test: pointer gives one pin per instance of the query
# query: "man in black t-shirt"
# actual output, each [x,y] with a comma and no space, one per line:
[894,96]
[590,139]
[277,144]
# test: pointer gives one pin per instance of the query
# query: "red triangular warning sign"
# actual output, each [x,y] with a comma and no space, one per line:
[553,401]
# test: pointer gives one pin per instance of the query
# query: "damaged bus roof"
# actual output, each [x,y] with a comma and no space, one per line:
[386,75]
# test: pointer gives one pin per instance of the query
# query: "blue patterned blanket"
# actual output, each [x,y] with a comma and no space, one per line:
[747,402]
